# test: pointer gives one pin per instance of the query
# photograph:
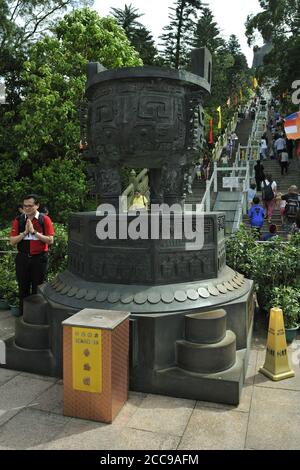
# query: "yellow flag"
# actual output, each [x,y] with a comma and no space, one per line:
[220,117]
[255,83]
[241,94]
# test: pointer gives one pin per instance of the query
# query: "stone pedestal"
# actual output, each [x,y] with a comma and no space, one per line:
[166,320]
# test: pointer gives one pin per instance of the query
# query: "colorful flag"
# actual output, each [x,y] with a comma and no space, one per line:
[255,83]
[292,126]
[228,102]
[220,117]
[211,137]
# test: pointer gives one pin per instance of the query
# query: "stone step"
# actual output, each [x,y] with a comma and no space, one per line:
[205,358]
[31,336]
[29,360]
[35,310]
[206,327]
[222,387]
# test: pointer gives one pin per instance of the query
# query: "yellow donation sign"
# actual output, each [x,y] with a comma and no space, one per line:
[87,359]
[276,365]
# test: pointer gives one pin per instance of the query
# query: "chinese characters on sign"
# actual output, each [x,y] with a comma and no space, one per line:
[87,359]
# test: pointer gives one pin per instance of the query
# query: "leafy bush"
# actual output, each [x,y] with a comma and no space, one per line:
[58,251]
[271,265]
[239,249]
[288,299]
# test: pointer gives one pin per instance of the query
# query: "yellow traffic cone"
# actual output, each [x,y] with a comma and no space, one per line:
[276,365]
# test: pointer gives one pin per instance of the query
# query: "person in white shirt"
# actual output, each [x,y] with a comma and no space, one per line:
[263,149]
[284,162]
[279,145]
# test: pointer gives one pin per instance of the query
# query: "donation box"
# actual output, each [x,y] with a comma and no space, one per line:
[95,364]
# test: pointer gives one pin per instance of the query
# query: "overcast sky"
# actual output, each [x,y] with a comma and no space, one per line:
[229,14]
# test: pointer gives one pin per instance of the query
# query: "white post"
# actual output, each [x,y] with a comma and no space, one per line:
[207,202]
[215,177]
[248,175]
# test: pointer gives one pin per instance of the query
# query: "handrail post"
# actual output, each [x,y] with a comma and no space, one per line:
[207,202]
[215,177]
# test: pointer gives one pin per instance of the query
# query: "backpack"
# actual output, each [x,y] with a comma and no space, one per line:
[22,221]
[292,207]
[267,193]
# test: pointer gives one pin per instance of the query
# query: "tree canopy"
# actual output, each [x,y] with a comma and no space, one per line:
[44,127]
[279,24]
[139,36]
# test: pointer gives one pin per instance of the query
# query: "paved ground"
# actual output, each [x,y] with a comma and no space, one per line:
[268,417]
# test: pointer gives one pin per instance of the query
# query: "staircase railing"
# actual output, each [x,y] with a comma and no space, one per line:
[141,182]
[242,169]
[223,139]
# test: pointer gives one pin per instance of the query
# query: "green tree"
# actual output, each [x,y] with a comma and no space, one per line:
[279,24]
[178,37]
[139,36]
[21,23]
[207,32]
[46,124]
[61,186]
[127,18]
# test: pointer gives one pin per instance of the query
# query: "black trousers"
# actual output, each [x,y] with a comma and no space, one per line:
[284,166]
[31,271]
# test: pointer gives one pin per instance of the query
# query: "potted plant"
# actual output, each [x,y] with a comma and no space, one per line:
[288,299]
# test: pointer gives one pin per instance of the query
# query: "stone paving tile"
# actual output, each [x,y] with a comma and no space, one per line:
[245,402]
[5,314]
[7,374]
[51,400]
[135,399]
[259,342]
[31,427]
[253,356]
[157,413]
[109,437]
[7,327]
[215,428]
[39,377]
[17,393]
[292,383]
[274,420]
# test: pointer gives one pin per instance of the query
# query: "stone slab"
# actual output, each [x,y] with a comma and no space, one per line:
[6,375]
[52,400]
[109,437]
[157,413]
[274,420]
[215,429]
[17,393]
[133,403]
[30,428]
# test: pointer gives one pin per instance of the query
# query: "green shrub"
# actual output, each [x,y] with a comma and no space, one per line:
[239,249]
[270,265]
[58,251]
[288,299]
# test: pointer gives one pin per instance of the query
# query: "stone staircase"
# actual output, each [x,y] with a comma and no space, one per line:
[29,348]
[283,183]
[243,131]
[207,360]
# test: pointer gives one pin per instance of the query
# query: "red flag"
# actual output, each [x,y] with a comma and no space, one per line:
[211,138]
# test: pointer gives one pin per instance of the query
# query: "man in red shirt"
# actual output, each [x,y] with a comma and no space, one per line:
[32,232]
